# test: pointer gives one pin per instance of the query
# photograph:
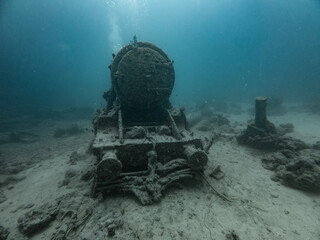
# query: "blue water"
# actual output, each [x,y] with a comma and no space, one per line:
[55,53]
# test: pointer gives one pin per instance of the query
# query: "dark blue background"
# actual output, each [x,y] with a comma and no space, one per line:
[55,53]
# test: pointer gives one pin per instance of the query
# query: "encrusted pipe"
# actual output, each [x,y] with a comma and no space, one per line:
[261,112]
[120,126]
[174,127]
[152,160]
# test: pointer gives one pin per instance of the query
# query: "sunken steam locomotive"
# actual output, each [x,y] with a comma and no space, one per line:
[142,143]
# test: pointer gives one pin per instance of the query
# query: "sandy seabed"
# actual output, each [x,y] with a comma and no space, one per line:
[48,172]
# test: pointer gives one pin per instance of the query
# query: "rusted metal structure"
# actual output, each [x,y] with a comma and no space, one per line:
[142,144]
[261,112]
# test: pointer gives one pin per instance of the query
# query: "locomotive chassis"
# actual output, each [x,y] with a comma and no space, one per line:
[144,149]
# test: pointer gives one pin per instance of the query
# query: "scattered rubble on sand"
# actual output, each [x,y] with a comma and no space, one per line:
[295,163]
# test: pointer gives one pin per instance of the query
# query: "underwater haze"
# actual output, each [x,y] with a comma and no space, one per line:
[234,154]
[55,54]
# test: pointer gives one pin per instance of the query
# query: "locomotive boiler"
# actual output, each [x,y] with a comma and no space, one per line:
[142,143]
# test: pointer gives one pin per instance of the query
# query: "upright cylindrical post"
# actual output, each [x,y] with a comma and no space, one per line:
[261,112]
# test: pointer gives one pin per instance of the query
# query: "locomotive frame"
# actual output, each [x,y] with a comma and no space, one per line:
[142,143]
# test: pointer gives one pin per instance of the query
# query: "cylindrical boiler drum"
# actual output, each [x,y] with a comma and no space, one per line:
[142,75]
